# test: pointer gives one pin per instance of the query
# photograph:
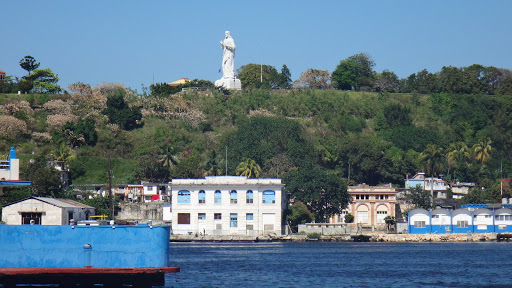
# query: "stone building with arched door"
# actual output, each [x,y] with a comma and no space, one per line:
[369,206]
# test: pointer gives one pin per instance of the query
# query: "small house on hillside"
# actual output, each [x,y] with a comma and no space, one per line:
[2,75]
[45,211]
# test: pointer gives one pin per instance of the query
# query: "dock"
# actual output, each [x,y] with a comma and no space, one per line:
[86,277]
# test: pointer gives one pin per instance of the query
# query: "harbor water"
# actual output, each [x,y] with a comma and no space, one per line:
[480,264]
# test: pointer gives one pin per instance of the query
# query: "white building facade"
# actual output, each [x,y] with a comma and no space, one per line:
[45,211]
[228,205]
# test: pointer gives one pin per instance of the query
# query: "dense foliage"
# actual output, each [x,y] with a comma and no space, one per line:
[318,141]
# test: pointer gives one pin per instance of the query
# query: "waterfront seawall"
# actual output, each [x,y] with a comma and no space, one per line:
[374,237]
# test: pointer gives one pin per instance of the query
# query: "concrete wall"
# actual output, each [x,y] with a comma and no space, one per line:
[141,211]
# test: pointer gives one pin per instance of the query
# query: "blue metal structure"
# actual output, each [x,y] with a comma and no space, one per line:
[126,246]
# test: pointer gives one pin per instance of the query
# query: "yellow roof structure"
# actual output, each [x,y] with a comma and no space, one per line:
[182,81]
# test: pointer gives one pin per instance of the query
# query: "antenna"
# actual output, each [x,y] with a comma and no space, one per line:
[261,64]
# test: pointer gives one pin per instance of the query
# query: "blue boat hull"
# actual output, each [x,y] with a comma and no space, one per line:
[139,246]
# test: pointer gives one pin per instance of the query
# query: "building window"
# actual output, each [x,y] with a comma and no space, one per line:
[249,227]
[233,223]
[218,197]
[150,188]
[462,224]
[184,197]
[435,216]
[503,217]
[217,216]
[419,224]
[269,197]
[201,216]
[233,197]
[249,197]
[183,218]
[35,218]
[202,197]
[249,216]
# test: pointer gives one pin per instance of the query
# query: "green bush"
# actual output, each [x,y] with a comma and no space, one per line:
[314,235]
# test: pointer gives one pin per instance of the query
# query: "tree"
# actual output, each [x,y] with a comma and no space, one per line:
[149,169]
[432,159]
[29,64]
[477,196]
[298,213]
[324,194]
[45,179]
[44,81]
[119,113]
[483,149]
[261,138]
[457,154]
[213,166]
[345,75]
[169,156]
[313,79]
[418,197]
[254,76]
[386,81]
[277,166]
[397,115]
[355,71]
[85,128]
[62,155]
[349,218]
[249,168]
[285,78]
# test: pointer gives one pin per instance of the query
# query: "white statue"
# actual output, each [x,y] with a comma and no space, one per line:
[228,56]
[228,79]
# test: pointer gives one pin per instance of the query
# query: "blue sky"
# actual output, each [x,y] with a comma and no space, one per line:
[129,41]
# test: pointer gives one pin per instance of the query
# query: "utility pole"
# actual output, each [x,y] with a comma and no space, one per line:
[110,198]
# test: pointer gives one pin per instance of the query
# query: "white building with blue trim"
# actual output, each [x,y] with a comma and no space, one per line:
[473,218]
[228,205]
[10,171]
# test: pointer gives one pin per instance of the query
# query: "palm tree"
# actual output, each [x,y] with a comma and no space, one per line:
[168,156]
[62,155]
[456,154]
[432,159]
[249,168]
[483,149]
[212,166]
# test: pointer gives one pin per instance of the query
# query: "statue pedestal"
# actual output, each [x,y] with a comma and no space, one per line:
[229,83]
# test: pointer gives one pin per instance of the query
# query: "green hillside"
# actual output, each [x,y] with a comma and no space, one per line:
[381,137]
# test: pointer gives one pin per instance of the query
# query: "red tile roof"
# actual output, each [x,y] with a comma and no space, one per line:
[2,72]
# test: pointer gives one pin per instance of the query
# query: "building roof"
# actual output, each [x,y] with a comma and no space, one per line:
[2,72]
[62,203]
[182,81]
[226,180]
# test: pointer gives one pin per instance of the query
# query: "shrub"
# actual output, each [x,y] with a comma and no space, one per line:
[314,235]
